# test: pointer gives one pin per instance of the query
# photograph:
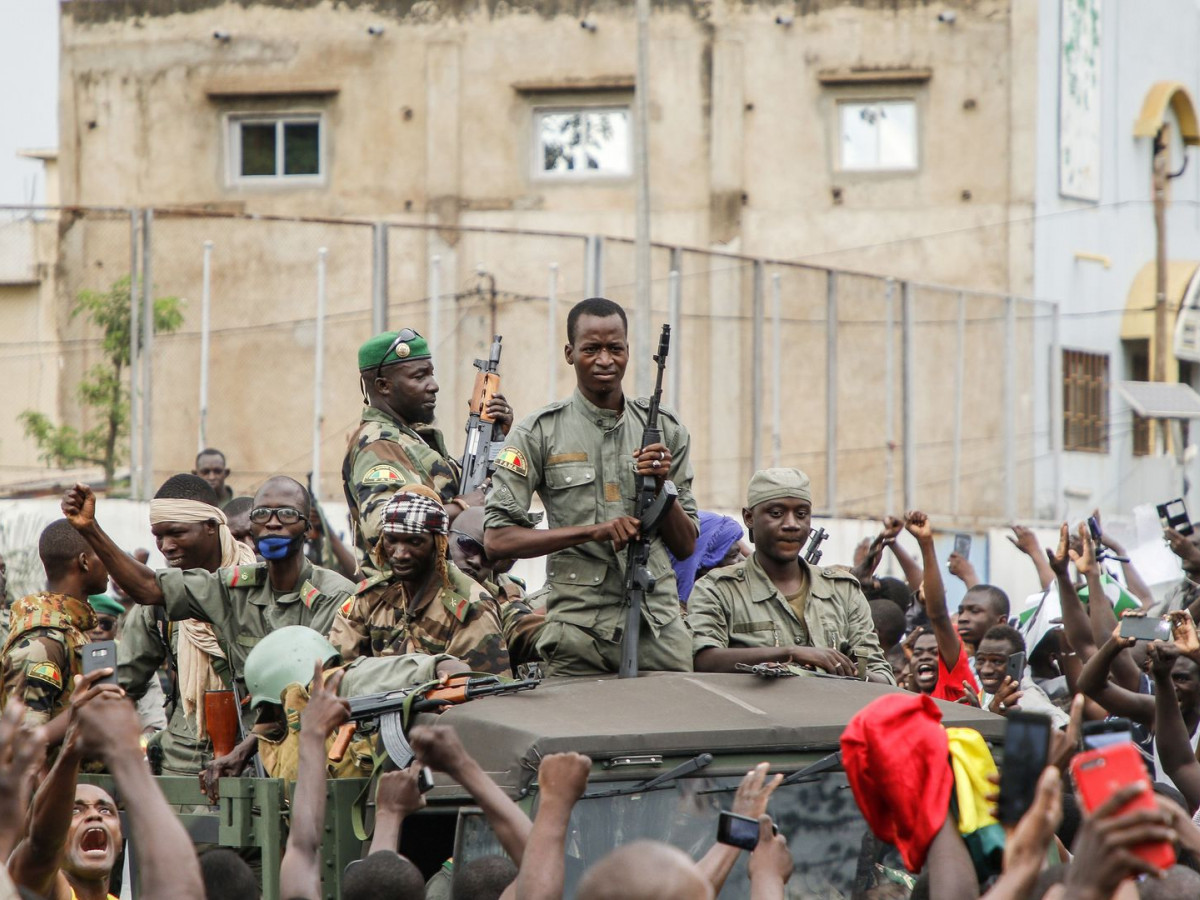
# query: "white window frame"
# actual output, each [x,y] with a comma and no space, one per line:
[233,143]
[839,107]
[575,175]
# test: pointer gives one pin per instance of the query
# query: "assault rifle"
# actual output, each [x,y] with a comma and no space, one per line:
[389,712]
[485,437]
[812,553]
[650,507]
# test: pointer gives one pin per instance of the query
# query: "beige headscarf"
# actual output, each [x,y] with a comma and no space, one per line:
[197,641]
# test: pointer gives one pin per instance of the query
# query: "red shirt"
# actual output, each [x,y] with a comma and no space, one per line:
[949,682]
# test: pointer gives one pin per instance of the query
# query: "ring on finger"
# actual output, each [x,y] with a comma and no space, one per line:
[655,464]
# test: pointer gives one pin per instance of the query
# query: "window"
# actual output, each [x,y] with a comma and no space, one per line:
[878,136]
[582,142]
[275,148]
[1137,365]
[1085,401]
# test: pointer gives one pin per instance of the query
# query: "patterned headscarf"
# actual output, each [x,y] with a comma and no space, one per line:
[412,513]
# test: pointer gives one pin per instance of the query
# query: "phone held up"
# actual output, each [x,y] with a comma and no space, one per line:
[1016,666]
[101,655]
[1116,730]
[1174,514]
[738,831]
[962,545]
[1144,628]
[1026,753]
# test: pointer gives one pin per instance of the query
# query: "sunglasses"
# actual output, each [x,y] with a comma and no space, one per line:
[287,515]
[106,623]
[468,544]
[405,335]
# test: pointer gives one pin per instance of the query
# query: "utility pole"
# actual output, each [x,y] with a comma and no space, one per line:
[641,135]
[1159,176]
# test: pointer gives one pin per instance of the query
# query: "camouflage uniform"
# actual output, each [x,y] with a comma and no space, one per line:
[739,606]
[142,650]
[243,607]
[522,626]
[579,459]
[47,632]
[384,456]
[461,620]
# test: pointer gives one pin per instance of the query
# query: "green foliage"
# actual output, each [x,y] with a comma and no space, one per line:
[102,388]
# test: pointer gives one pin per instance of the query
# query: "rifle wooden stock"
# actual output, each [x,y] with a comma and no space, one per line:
[487,385]
[345,734]
[221,718]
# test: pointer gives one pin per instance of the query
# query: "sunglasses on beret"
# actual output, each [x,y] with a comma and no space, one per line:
[403,337]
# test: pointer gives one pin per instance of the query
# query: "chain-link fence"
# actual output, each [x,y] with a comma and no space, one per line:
[888,393]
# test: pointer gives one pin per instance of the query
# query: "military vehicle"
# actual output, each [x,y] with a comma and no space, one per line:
[668,751]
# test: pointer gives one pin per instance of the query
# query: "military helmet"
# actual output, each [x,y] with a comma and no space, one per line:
[285,656]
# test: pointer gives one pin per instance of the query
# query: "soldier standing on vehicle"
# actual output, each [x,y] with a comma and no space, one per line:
[775,607]
[424,604]
[581,456]
[395,445]
[42,654]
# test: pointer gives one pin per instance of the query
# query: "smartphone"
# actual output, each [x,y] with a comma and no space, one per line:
[1094,529]
[962,545]
[1174,514]
[1026,752]
[425,780]
[100,655]
[1106,733]
[1099,774]
[1144,628]
[737,831]
[1016,666]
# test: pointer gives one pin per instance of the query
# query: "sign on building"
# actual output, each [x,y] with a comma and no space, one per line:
[1079,100]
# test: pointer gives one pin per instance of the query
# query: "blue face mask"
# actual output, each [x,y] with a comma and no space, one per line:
[278,547]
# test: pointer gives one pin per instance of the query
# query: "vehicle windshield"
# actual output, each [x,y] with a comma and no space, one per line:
[835,854]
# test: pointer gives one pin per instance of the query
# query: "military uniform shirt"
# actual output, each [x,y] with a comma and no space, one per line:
[243,607]
[383,456]
[48,630]
[578,459]
[462,620]
[739,606]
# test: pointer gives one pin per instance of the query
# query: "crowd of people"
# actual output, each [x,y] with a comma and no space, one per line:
[261,597]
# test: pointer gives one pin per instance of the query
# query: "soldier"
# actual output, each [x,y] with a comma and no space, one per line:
[396,445]
[210,465]
[3,600]
[424,604]
[191,533]
[243,603]
[522,625]
[49,628]
[775,607]
[581,456]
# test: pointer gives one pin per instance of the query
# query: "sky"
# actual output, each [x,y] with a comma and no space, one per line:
[28,93]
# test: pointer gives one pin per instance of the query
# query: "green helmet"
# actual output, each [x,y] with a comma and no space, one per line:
[285,656]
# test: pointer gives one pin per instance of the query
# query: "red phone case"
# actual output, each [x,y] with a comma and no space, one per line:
[1101,773]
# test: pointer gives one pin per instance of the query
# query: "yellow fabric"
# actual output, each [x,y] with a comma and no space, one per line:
[971,762]
[1154,110]
[281,759]
[197,641]
[1137,322]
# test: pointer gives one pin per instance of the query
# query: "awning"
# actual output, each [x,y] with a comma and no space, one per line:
[1160,400]
[1138,320]
[1154,109]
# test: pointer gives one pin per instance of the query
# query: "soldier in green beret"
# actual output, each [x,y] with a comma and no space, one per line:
[396,444]
[775,607]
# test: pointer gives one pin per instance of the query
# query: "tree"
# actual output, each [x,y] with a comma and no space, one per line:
[102,388]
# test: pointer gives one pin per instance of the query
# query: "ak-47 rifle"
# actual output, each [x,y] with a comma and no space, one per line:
[388,713]
[812,553]
[485,436]
[650,507]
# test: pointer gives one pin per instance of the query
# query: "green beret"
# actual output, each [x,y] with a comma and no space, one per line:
[772,484]
[379,350]
[102,603]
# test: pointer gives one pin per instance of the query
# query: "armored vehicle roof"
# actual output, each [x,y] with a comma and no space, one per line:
[671,714]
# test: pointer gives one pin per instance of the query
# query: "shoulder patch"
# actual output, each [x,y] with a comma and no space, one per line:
[345,608]
[459,607]
[367,583]
[309,593]
[839,573]
[384,475]
[514,460]
[47,673]
[243,576]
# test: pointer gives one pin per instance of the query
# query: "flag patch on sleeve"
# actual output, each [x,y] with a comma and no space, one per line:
[514,460]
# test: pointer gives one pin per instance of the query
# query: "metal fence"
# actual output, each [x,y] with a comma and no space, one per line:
[890,394]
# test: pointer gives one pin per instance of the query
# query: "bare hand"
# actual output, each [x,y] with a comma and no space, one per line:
[22,752]
[1060,560]
[1116,635]
[861,551]
[325,711]
[1026,845]
[1162,659]
[754,791]
[654,459]
[400,791]
[1189,834]
[1183,632]
[620,531]
[79,506]
[961,568]
[1104,845]
[1085,560]
[1007,697]
[827,660]
[102,722]
[1180,545]
[439,747]
[1025,541]
[1064,744]
[918,525]
[892,526]
[229,766]
[970,696]
[564,776]
[448,667]
[500,412]
[771,859]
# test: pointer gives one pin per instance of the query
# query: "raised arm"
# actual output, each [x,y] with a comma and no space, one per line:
[1026,541]
[79,507]
[1171,737]
[949,643]
[300,871]
[750,801]
[1133,578]
[914,575]
[22,752]
[397,797]
[1076,625]
[1100,610]
[1094,682]
[562,779]
[439,748]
